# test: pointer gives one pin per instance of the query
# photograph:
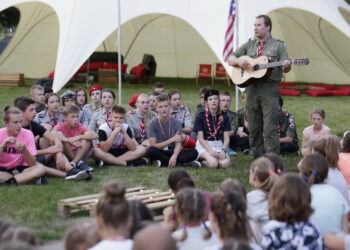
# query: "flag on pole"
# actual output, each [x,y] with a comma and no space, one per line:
[228,48]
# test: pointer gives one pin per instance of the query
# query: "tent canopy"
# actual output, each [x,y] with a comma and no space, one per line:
[179,33]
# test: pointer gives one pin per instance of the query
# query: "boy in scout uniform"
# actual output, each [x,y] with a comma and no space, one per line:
[52,115]
[69,98]
[138,118]
[287,131]
[95,92]
[263,94]
[180,112]
[38,96]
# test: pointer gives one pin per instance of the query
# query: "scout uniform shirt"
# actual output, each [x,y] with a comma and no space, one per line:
[49,118]
[183,114]
[92,108]
[233,117]
[286,125]
[273,49]
[139,129]
[98,118]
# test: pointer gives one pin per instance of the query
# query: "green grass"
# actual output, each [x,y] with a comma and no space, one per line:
[36,206]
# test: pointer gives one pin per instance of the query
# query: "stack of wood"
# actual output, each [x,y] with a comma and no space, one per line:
[11,79]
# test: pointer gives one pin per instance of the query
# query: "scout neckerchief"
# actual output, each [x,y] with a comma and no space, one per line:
[142,128]
[161,128]
[216,127]
[53,116]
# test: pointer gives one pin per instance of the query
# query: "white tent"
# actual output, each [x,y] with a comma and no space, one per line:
[180,33]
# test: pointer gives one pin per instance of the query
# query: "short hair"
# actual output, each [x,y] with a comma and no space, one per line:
[154,93]
[173,92]
[108,91]
[47,97]
[225,93]
[23,102]
[8,110]
[158,85]
[288,204]
[36,87]
[346,143]
[81,89]
[267,20]
[319,112]
[162,98]
[178,179]
[82,232]
[19,234]
[71,109]
[119,109]
[329,147]
[233,185]
[204,90]
[314,168]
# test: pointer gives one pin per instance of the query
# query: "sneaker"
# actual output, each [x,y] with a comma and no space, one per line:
[82,165]
[138,162]
[101,163]
[41,181]
[78,174]
[11,181]
[229,151]
[195,164]
[247,151]
[146,161]
[157,163]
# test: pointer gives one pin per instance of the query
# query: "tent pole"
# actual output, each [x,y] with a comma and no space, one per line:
[235,45]
[119,58]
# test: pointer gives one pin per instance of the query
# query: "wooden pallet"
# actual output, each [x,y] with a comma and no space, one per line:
[107,75]
[153,198]
[11,79]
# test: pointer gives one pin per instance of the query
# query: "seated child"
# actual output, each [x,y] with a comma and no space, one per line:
[290,208]
[180,112]
[165,139]
[158,87]
[76,139]
[52,115]
[17,151]
[95,92]
[38,96]
[50,148]
[152,101]
[117,145]
[212,127]
[69,98]
[317,130]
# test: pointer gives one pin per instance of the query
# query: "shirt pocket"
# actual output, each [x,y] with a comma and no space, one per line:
[272,54]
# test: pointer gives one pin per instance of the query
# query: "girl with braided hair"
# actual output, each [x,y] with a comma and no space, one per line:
[113,219]
[190,210]
[228,218]
[330,207]
[262,177]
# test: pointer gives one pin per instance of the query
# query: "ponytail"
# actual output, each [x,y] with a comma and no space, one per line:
[263,169]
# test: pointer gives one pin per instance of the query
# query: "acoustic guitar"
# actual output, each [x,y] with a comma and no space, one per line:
[258,68]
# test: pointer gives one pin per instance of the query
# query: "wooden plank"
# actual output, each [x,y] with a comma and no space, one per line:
[157,199]
[161,204]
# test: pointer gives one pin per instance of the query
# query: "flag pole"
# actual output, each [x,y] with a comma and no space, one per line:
[119,57]
[236,43]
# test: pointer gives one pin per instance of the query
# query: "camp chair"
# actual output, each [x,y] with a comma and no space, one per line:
[204,71]
[219,73]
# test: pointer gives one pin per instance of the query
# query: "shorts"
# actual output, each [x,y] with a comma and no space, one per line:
[14,171]
[215,145]
[51,164]
[118,151]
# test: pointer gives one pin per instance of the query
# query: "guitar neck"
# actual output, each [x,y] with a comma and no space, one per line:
[271,65]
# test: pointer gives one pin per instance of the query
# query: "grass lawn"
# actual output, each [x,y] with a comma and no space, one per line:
[36,206]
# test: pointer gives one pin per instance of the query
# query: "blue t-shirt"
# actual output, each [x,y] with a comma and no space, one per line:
[200,124]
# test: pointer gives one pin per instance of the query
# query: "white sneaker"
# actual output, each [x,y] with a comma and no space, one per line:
[157,163]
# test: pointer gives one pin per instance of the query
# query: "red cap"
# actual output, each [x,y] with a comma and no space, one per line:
[133,100]
[95,87]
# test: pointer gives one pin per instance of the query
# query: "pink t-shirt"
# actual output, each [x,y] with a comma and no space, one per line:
[311,135]
[12,157]
[344,166]
[71,132]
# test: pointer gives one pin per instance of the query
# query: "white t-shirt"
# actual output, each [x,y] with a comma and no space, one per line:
[336,179]
[195,238]
[329,208]
[257,211]
[113,245]
[311,135]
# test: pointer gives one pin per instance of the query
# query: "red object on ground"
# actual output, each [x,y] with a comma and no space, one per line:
[287,84]
[290,92]
[322,85]
[321,92]
[138,71]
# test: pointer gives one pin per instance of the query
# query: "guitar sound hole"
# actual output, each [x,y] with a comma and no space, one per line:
[256,67]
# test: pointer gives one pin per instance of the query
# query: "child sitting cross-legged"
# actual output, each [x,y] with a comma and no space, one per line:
[76,139]
[165,138]
[117,145]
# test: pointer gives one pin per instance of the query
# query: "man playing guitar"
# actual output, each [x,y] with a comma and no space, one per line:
[263,94]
